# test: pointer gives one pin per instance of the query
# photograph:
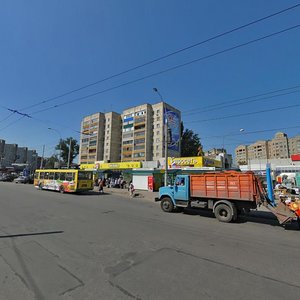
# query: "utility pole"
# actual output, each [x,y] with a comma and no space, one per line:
[69,155]
[166,149]
[42,160]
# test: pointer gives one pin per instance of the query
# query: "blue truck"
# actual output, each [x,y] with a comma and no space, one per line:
[227,194]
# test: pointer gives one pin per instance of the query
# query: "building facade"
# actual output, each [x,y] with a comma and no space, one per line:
[21,155]
[10,154]
[135,135]
[280,147]
[100,138]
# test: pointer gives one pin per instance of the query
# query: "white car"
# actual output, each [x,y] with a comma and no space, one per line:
[21,179]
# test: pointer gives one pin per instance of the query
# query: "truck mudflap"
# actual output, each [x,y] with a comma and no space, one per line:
[282,213]
[156,199]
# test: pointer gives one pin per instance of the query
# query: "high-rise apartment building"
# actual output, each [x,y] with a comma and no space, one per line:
[280,147]
[136,135]
[143,136]
[10,154]
[294,145]
[21,155]
[100,138]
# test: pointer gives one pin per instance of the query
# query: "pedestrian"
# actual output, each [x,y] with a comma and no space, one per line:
[101,184]
[131,189]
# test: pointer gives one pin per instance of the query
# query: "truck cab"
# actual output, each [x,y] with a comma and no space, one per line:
[175,196]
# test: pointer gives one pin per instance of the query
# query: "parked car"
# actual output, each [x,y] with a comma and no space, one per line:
[21,179]
[6,177]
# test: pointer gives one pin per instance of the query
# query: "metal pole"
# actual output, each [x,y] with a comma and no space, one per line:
[166,149]
[69,155]
[269,183]
[42,160]
[60,140]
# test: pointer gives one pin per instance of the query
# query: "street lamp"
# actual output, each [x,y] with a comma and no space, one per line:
[69,155]
[166,137]
[60,140]
[223,146]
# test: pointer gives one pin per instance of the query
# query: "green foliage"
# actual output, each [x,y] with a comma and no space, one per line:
[63,147]
[50,162]
[190,143]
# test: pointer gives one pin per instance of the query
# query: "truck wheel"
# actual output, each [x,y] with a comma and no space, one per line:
[223,213]
[166,205]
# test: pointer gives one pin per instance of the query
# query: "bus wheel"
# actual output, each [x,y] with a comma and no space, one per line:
[166,205]
[61,189]
[223,213]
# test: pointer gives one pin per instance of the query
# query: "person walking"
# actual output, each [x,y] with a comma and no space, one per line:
[131,189]
[101,184]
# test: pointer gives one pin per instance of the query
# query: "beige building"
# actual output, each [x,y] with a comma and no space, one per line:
[280,147]
[241,154]
[143,136]
[100,138]
[136,135]
[294,144]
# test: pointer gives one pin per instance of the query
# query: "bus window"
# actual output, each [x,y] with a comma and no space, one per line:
[62,176]
[46,176]
[51,175]
[36,175]
[69,176]
[56,175]
[42,175]
[84,175]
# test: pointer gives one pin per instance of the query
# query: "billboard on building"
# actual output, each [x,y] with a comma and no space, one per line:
[173,129]
[193,161]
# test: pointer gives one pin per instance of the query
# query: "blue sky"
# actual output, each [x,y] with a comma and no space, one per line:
[51,47]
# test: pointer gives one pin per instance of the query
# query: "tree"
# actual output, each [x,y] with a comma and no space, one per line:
[50,162]
[64,146]
[190,143]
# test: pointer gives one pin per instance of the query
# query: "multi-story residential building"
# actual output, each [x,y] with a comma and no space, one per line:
[21,155]
[2,144]
[100,138]
[112,137]
[241,154]
[136,135]
[280,147]
[143,136]
[294,145]
[258,150]
[32,159]
[10,154]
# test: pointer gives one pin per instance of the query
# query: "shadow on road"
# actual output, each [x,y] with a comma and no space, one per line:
[259,217]
[30,234]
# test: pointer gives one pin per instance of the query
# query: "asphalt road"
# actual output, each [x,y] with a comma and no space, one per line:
[62,246]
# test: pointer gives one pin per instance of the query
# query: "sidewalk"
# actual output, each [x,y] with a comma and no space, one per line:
[147,195]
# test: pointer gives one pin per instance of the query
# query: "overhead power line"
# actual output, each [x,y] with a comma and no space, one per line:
[239,103]
[245,114]
[165,56]
[169,69]
[240,99]
[251,132]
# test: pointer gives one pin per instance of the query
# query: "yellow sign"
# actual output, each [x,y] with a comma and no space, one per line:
[120,165]
[111,166]
[193,161]
[87,167]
